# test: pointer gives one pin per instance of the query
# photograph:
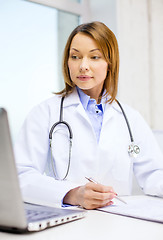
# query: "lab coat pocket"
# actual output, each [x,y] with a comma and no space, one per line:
[122,169]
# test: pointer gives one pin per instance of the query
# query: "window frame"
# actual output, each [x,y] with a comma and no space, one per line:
[81,9]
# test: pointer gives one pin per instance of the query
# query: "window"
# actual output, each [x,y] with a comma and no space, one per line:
[31,45]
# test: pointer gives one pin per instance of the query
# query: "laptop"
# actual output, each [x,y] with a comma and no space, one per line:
[15,215]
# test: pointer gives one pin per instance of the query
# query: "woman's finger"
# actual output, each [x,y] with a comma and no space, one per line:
[100,188]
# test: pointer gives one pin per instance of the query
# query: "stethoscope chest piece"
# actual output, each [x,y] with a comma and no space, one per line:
[133,150]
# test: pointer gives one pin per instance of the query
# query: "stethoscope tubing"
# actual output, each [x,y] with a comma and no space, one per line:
[127,122]
[61,122]
[133,149]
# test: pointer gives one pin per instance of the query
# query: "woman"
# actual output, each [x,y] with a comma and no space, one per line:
[100,134]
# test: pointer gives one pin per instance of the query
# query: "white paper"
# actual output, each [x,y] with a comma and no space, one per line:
[142,207]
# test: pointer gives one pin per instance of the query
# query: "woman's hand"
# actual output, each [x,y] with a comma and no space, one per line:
[90,196]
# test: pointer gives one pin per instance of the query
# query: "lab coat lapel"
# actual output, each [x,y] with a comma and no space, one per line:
[110,111]
[73,99]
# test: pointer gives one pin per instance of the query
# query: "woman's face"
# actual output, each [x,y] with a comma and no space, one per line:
[87,65]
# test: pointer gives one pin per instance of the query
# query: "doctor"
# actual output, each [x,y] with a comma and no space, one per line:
[97,126]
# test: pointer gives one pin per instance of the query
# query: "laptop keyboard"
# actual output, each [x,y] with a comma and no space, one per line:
[34,215]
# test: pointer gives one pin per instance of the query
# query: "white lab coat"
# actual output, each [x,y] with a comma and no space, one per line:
[107,162]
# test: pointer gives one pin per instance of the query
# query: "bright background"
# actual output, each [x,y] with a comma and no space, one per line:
[32,38]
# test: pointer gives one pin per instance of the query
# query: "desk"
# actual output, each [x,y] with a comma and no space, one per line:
[96,225]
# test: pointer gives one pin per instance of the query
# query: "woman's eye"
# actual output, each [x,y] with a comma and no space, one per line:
[74,57]
[95,57]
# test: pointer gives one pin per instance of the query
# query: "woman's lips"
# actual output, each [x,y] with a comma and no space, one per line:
[84,77]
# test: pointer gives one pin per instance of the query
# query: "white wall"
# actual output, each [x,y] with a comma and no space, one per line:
[140,34]
[133,37]
[156,56]
[104,11]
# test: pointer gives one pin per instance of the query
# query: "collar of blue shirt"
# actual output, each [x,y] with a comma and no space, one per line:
[85,100]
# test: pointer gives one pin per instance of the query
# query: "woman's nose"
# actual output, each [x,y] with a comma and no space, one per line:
[84,66]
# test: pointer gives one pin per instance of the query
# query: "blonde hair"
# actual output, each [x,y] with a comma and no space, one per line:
[107,41]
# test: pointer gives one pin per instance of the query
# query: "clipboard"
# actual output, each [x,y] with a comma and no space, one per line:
[141,207]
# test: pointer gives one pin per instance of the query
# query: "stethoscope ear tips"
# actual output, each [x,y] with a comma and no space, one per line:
[133,150]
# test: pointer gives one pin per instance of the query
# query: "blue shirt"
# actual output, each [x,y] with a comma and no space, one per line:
[94,111]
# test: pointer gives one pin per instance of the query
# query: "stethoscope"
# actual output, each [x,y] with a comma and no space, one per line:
[133,149]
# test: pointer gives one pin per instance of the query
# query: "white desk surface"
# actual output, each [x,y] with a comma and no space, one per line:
[96,225]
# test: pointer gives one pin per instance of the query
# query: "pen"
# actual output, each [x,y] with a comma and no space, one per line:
[92,180]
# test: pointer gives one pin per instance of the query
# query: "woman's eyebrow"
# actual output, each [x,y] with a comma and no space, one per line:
[92,50]
[74,49]
[96,49]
